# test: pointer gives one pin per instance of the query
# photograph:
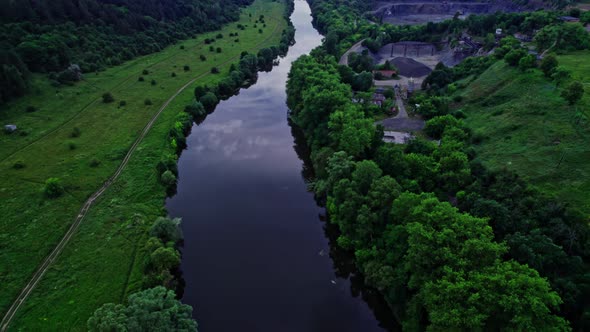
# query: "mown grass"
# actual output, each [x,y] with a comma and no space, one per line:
[527,127]
[103,261]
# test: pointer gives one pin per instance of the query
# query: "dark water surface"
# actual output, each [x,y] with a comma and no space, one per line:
[256,257]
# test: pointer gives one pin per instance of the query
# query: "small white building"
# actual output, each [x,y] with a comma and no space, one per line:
[10,128]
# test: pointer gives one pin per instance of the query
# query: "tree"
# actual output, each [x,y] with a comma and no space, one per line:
[155,309]
[209,101]
[513,57]
[560,75]
[573,92]
[548,65]
[107,97]
[527,62]
[53,188]
[164,259]
[168,179]
[167,230]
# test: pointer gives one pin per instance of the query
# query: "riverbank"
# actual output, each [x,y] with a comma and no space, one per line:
[103,261]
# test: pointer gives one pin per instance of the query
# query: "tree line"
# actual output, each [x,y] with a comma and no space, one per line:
[46,37]
[450,244]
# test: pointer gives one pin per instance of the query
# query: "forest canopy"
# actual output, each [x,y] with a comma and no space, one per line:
[50,36]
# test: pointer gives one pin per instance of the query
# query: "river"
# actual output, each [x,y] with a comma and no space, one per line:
[256,256]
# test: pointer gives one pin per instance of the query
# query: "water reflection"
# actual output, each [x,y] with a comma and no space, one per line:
[255,253]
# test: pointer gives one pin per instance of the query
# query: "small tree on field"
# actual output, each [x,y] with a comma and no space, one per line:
[186,68]
[53,188]
[107,97]
[573,92]
[548,65]
[560,75]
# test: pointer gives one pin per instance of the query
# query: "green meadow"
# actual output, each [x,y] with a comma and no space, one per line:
[525,126]
[103,262]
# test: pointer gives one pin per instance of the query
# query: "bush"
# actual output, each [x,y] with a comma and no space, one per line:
[573,92]
[94,163]
[214,70]
[76,132]
[209,101]
[166,229]
[202,57]
[145,72]
[182,47]
[168,179]
[31,109]
[122,103]
[173,74]
[154,82]
[218,50]
[72,146]
[107,97]
[196,110]
[148,102]
[141,79]
[211,49]
[186,68]
[53,188]
[19,164]
[219,36]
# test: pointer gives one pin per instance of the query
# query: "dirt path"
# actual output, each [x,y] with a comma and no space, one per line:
[402,113]
[36,278]
[355,48]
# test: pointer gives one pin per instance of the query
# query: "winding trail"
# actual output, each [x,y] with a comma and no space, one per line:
[38,275]
[355,48]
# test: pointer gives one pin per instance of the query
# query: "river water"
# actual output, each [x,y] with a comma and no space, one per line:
[256,256]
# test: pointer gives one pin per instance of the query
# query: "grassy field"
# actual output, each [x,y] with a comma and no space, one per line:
[527,127]
[103,261]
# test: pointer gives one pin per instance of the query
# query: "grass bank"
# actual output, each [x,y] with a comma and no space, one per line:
[103,261]
[525,126]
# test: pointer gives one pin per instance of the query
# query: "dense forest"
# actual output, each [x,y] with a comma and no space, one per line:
[66,38]
[450,244]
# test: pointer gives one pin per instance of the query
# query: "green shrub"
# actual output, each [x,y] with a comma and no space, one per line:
[214,70]
[218,50]
[31,109]
[145,72]
[168,179]
[148,102]
[53,188]
[166,229]
[94,163]
[182,47]
[173,74]
[107,97]
[76,132]
[203,58]
[122,103]
[19,164]
[154,82]
[72,145]
[141,79]
[186,68]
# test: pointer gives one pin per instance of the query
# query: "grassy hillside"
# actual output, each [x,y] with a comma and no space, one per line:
[527,127]
[99,265]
